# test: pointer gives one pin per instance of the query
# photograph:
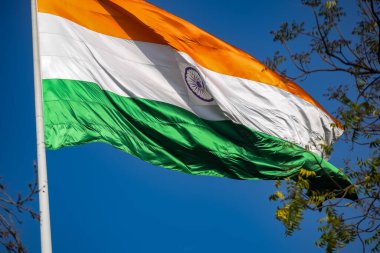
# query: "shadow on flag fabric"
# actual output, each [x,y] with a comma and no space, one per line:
[130,74]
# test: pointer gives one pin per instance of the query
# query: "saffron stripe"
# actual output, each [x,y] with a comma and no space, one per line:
[142,21]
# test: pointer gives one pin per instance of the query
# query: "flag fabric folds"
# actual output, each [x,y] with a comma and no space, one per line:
[130,74]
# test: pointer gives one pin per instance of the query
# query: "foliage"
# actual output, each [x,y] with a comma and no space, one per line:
[10,210]
[346,45]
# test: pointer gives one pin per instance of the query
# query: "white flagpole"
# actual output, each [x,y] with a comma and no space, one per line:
[41,153]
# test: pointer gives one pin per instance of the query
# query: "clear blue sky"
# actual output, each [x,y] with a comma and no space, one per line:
[104,200]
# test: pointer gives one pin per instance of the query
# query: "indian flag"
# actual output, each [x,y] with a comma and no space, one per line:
[130,74]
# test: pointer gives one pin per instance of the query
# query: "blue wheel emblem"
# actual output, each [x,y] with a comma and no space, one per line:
[197,85]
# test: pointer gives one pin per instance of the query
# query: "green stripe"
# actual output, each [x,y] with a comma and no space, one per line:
[78,112]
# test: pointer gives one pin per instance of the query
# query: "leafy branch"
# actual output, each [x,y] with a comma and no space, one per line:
[348,46]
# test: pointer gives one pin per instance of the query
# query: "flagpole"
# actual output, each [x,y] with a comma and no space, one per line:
[45,230]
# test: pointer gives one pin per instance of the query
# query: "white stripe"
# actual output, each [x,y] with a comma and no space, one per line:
[147,70]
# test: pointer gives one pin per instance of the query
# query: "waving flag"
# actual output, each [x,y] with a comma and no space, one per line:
[130,74]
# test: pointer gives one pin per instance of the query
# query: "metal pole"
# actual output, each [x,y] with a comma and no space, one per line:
[41,154]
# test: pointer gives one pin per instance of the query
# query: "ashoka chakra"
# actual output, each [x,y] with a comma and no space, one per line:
[197,85]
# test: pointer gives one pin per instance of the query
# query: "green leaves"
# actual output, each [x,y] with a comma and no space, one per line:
[291,216]
[348,46]
[288,32]
[335,232]
[330,4]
